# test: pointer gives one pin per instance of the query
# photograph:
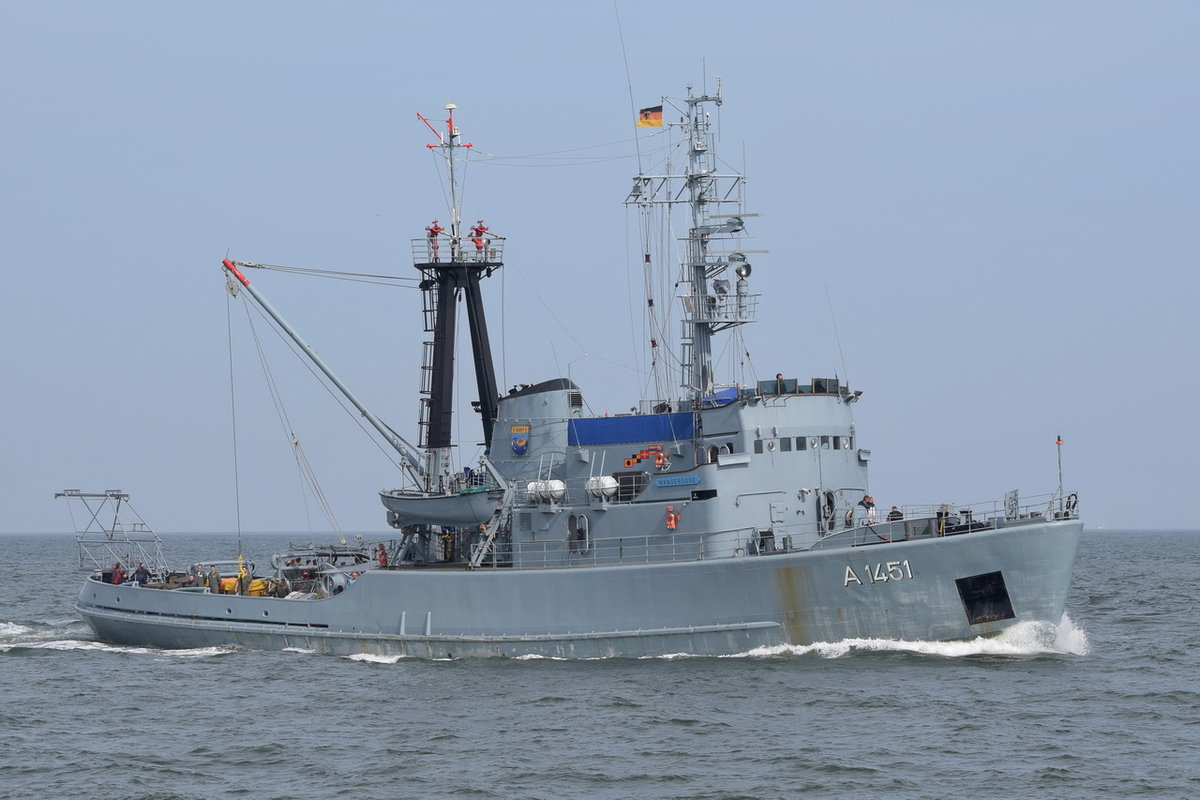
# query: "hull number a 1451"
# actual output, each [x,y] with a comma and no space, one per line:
[879,572]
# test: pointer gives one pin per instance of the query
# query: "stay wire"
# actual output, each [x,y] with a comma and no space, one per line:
[285,422]
[336,397]
[365,277]
[237,498]
[629,82]
[836,336]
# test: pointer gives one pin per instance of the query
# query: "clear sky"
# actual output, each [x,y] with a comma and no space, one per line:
[985,215]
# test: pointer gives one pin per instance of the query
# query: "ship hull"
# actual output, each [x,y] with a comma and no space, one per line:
[906,590]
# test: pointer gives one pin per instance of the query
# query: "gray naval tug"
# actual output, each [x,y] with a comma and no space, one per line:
[713,520]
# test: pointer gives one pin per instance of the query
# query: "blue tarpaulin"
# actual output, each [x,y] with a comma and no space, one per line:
[625,430]
[721,397]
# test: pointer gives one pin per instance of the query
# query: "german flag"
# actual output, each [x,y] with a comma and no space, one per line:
[650,117]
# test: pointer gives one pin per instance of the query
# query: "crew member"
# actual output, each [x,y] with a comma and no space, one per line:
[432,231]
[477,233]
[868,503]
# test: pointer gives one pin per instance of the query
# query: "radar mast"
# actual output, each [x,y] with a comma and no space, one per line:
[715,202]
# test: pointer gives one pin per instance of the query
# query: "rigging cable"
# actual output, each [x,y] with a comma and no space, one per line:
[403,467]
[629,82]
[361,277]
[652,374]
[636,323]
[303,467]
[237,498]
[490,159]
[837,337]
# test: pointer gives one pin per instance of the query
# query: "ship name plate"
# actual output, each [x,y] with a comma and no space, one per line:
[678,480]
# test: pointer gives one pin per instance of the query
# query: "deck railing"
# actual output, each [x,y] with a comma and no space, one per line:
[918,522]
[444,250]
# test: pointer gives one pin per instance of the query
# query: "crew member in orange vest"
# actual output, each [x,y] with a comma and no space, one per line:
[672,518]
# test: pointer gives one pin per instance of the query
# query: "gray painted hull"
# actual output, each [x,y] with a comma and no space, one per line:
[902,590]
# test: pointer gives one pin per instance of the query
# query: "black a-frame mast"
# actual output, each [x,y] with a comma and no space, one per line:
[452,266]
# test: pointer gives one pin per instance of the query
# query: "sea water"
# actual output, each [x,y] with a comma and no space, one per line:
[1105,704]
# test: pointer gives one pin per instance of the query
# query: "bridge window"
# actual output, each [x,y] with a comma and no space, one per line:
[785,445]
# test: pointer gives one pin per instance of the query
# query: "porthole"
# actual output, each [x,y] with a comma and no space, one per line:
[771,445]
[266,613]
[229,611]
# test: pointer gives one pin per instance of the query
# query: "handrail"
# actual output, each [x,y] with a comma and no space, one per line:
[918,522]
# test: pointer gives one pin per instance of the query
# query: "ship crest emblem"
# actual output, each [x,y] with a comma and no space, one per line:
[520,439]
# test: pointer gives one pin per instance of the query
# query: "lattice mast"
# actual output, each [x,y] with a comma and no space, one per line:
[708,305]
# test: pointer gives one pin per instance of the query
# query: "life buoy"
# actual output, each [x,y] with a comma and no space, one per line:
[849,517]
[383,557]
[1072,501]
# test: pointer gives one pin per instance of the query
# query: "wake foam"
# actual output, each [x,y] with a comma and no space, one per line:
[8,629]
[103,647]
[371,658]
[1021,640]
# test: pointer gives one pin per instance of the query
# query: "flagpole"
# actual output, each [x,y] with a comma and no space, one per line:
[1059,443]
